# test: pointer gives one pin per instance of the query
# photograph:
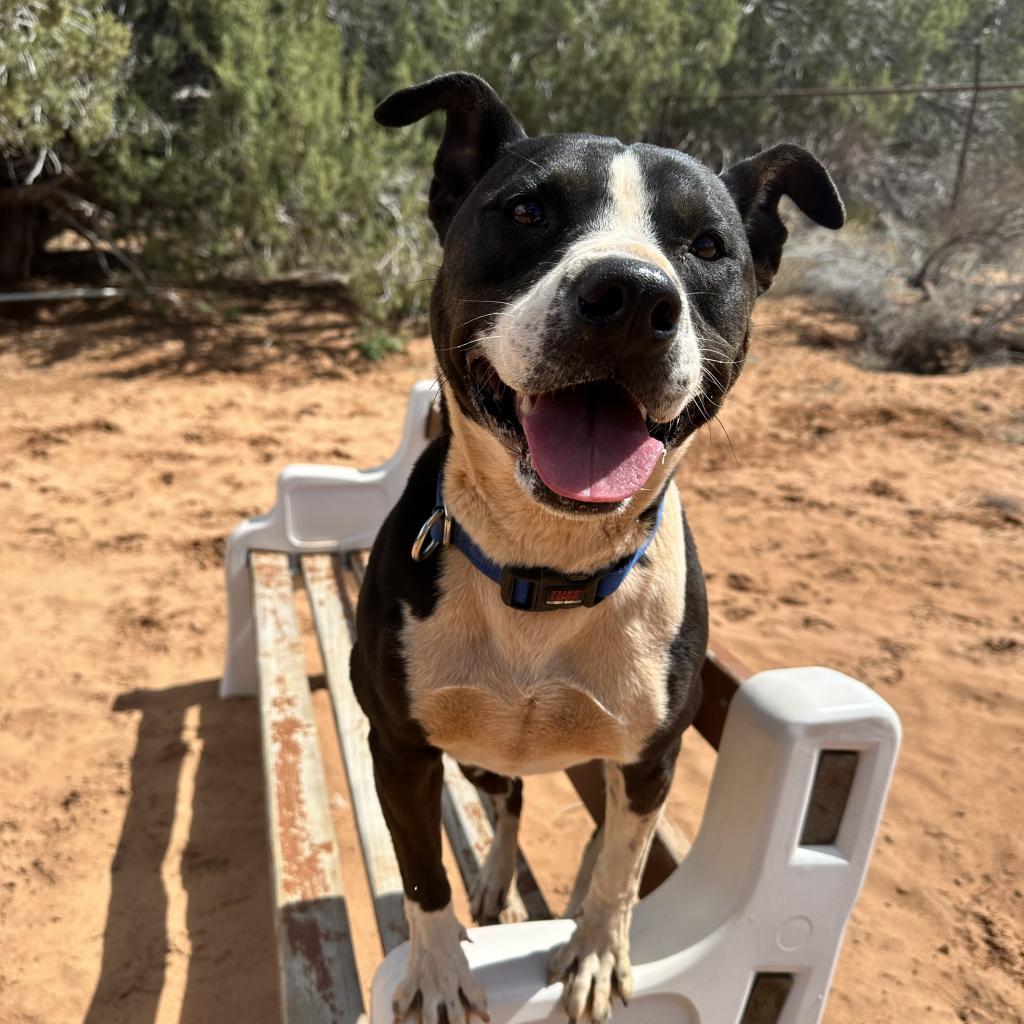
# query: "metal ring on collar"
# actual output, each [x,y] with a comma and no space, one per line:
[425,543]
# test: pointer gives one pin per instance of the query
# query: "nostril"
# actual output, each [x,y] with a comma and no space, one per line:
[602,301]
[665,315]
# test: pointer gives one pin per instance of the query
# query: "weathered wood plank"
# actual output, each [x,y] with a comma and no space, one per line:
[357,563]
[468,820]
[319,980]
[721,675]
[335,638]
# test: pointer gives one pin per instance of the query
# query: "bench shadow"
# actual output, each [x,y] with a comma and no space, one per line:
[230,951]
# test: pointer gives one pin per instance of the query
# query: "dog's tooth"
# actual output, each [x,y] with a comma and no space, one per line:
[526,405]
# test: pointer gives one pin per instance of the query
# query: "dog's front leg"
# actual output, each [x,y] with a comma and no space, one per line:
[594,964]
[438,984]
[489,894]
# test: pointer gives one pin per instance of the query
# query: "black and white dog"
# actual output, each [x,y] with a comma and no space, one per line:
[534,600]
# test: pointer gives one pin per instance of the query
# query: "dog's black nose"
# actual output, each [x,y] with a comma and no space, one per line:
[628,300]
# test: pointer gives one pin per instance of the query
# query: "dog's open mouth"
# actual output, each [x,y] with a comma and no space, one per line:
[589,442]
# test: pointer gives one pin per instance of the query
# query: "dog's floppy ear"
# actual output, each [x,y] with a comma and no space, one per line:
[478,127]
[758,183]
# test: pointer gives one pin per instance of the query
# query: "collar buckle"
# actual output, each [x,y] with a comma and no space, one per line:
[541,590]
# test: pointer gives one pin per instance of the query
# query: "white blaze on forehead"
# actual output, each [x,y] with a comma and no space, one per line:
[628,211]
[625,225]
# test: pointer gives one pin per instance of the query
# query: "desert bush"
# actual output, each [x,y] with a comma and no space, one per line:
[941,297]
[62,68]
[275,164]
[236,138]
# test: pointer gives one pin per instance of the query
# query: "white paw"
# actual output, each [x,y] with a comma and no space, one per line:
[438,986]
[594,966]
[490,890]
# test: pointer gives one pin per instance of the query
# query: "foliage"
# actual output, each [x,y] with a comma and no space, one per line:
[781,45]
[235,137]
[375,344]
[936,298]
[266,158]
[605,66]
[62,67]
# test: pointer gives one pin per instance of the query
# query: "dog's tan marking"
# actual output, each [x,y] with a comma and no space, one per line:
[628,212]
[520,692]
[542,727]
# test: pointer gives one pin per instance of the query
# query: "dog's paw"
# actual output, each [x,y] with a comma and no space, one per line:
[594,967]
[489,894]
[438,986]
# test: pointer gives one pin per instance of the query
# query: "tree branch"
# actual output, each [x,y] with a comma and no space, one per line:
[35,194]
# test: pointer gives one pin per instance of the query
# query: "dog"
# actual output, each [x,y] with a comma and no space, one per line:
[534,600]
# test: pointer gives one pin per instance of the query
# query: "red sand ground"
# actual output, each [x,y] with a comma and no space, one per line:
[872,522]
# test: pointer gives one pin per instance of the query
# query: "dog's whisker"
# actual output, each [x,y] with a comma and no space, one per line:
[718,420]
[490,312]
[455,348]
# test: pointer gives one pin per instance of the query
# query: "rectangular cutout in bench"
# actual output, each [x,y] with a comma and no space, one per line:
[833,780]
[767,999]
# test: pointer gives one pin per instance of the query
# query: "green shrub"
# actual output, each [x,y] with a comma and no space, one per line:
[374,344]
[62,67]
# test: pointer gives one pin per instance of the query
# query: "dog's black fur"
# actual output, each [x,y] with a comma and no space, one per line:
[484,167]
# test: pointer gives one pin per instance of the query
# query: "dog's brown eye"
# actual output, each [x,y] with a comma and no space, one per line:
[527,212]
[706,247]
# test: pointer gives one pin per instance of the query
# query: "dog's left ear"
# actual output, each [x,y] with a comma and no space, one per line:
[758,183]
[477,128]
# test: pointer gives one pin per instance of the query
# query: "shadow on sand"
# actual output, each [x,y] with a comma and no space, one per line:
[239,330]
[231,971]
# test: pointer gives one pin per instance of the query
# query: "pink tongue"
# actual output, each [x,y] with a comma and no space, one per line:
[590,443]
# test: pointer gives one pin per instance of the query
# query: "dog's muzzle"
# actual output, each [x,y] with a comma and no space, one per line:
[628,304]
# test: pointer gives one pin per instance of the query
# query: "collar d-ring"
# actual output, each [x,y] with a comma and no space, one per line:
[427,541]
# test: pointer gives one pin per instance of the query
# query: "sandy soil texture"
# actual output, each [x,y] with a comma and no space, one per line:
[872,522]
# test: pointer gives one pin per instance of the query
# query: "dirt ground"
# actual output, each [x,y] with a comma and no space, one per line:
[871,522]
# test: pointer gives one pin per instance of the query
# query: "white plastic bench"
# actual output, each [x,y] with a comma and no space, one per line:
[744,928]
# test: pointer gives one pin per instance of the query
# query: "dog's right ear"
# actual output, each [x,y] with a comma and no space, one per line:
[757,185]
[478,127]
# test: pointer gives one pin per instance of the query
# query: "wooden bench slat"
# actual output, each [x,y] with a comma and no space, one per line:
[357,563]
[468,820]
[721,676]
[335,637]
[319,980]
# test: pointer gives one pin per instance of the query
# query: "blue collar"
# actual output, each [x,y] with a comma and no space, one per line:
[528,589]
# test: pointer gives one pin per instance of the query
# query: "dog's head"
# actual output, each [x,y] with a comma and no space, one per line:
[593,306]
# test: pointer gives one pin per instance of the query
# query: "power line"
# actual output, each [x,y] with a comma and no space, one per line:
[874,90]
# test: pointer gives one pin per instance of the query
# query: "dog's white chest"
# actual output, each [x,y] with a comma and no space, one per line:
[526,692]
